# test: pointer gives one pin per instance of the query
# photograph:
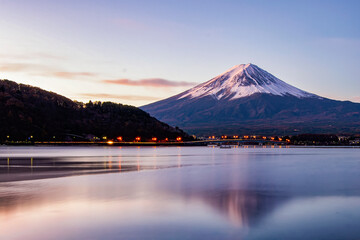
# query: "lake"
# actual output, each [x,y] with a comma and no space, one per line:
[182,193]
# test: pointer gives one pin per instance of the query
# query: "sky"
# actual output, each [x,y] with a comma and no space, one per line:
[137,52]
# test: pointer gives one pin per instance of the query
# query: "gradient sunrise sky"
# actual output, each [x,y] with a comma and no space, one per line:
[137,52]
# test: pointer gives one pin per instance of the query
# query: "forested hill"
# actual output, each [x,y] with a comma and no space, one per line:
[30,113]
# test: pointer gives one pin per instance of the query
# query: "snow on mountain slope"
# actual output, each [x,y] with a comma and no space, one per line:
[248,100]
[241,81]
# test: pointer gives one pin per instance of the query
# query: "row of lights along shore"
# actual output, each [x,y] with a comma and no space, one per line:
[249,137]
[138,139]
[179,139]
[120,139]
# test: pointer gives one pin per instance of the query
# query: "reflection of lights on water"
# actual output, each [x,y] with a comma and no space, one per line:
[31,162]
[138,154]
[179,156]
[155,156]
[179,160]
[119,163]
[109,162]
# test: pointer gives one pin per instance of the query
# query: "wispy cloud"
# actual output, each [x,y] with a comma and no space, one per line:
[72,74]
[115,96]
[44,70]
[17,67]
[149,82]
[49,71]
[355,99]
[31,56]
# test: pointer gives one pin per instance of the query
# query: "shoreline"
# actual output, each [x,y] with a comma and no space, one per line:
[175,144]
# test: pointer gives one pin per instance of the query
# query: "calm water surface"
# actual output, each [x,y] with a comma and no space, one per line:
[179,193]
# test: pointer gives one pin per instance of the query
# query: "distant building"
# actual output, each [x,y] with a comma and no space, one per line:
[91,137]
[356,141]
[343,138]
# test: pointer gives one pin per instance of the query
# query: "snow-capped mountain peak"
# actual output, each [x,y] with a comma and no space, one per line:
[241,81]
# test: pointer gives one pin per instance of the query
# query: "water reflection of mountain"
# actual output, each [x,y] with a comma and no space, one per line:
[242,208]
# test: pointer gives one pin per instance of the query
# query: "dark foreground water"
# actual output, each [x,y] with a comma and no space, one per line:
[179,193]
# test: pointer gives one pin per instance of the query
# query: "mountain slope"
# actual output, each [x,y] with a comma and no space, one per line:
[29,111]
[248,100]
[241,81]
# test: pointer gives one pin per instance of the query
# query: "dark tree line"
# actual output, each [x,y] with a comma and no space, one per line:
[30,113]
[311,139]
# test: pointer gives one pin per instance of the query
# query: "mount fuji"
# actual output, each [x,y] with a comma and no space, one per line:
[246,99]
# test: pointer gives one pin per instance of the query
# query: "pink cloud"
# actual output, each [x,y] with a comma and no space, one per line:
[149,82]
[123,97]
[355,99]
[31,56]
[16,67]
[43,70]
[72,74]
